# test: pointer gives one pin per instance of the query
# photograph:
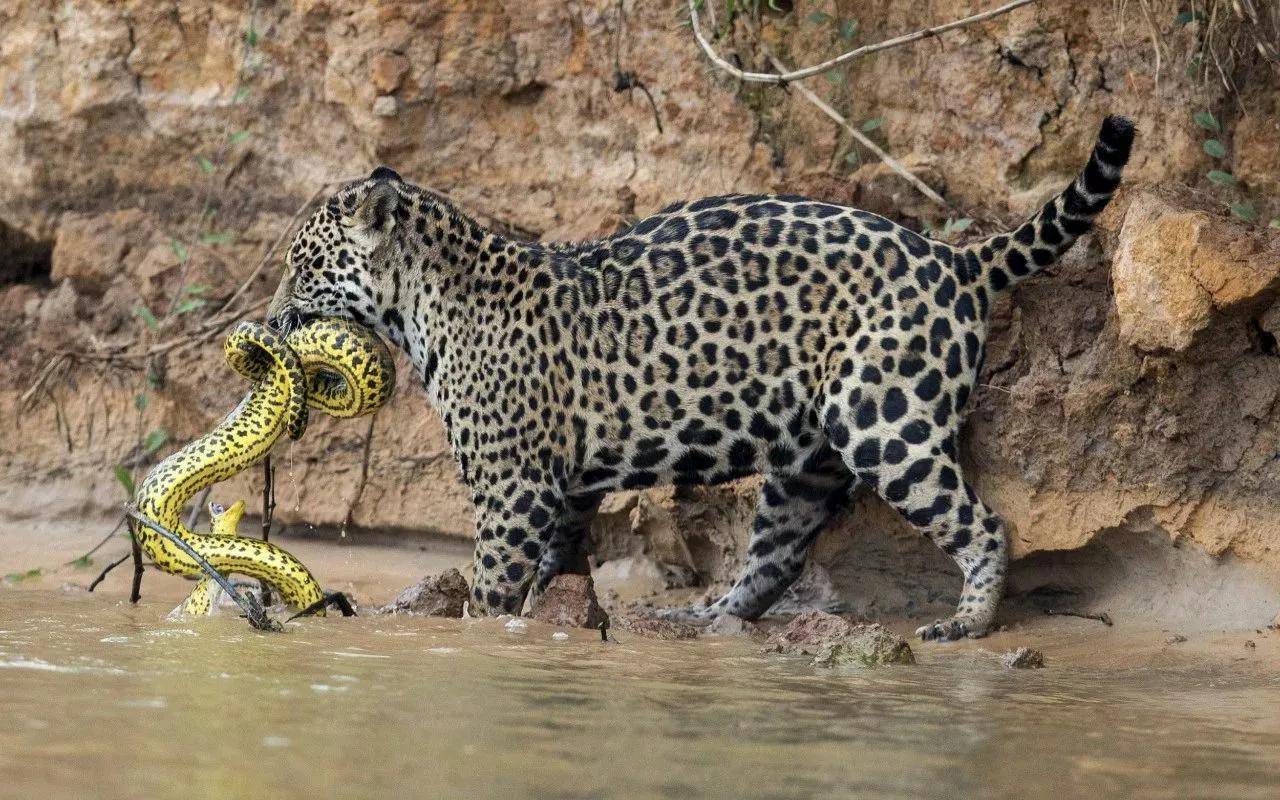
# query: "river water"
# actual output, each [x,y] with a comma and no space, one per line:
[100,699]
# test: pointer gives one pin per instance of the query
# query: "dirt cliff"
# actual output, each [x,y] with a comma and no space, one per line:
[154,151]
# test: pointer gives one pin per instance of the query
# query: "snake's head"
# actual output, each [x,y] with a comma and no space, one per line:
[223,520]
[337,264]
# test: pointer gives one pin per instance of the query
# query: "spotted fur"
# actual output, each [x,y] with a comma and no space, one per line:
[823,346]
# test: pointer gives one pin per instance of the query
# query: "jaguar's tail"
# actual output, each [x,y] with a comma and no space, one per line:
[1010,257]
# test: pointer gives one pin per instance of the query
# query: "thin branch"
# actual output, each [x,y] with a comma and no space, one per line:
[787,76]
[862,139]
[258,617]
[110,535]
[268,512]
[135,550]
[194,518]
[858,135]
[364,478]
[266,255]
[102,575]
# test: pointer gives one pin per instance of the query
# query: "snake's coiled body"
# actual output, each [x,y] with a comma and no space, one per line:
[330,364]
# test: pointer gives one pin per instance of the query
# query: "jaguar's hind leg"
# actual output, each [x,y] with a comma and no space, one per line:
[902,443]
[790,513]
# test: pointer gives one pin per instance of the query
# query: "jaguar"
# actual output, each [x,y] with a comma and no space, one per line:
[824,347]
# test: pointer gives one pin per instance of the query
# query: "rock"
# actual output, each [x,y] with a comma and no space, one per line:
[808,632]
[385,106]
[668,630]
[1023,658]
[729,625]
[441,595]
[1175,265]
[90,249]
[1177,638]
[387,71]
[516,625]
[868,646]
[570,601]
[835,641]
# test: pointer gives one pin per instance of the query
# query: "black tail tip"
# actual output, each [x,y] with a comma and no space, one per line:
[1117,136]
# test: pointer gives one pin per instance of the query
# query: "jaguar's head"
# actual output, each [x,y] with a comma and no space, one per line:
[338,263]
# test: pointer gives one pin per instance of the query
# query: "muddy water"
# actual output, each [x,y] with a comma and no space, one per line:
[104,700]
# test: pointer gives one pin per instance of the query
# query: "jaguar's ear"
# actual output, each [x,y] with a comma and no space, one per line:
[377,211]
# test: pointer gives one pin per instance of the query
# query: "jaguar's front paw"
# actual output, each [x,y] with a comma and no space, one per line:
[949,630]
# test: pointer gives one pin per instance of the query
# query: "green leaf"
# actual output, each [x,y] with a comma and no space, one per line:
[774,5]
[871,124]
[834,77]
[147,317]
[251,37]
[238,137]
[1275,223]
[849,29]
[240,95]
[959,225]
[1187,17]
[206,166]
[819,18]
[1244,211]
[19,577]
[852,158]
[83,562]
[126,480]
[189,305]
[179,250]
[197,289]
[153,379]
[155,440]
[140,401]
[1222,178]
[1207,121]
[221,237]
[1215,148]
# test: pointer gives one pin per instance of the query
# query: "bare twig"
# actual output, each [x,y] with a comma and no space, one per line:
[364,477]
[135,550]
[102,575]
[198,506]
[253,610]
[268,512]
[110,534]
[266,255]
[1104,617]
[858,135]
[787,76]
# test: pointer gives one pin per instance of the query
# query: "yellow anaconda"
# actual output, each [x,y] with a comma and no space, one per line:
[332,365]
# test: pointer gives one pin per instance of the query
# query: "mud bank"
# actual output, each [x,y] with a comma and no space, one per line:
[1128,403]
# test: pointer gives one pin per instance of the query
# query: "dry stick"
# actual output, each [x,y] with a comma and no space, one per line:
[364,477]
[253,610]
[862,139]
[102,575]
[808,72]
[135,550]
[1104,617]
[194,518]
[99,545]
[266,256]
[268,511]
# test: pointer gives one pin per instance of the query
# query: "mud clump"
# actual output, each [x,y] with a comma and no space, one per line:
[570,601]
[440,595]
[1023,658]
[834,641]
[729,625]
[650,627]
